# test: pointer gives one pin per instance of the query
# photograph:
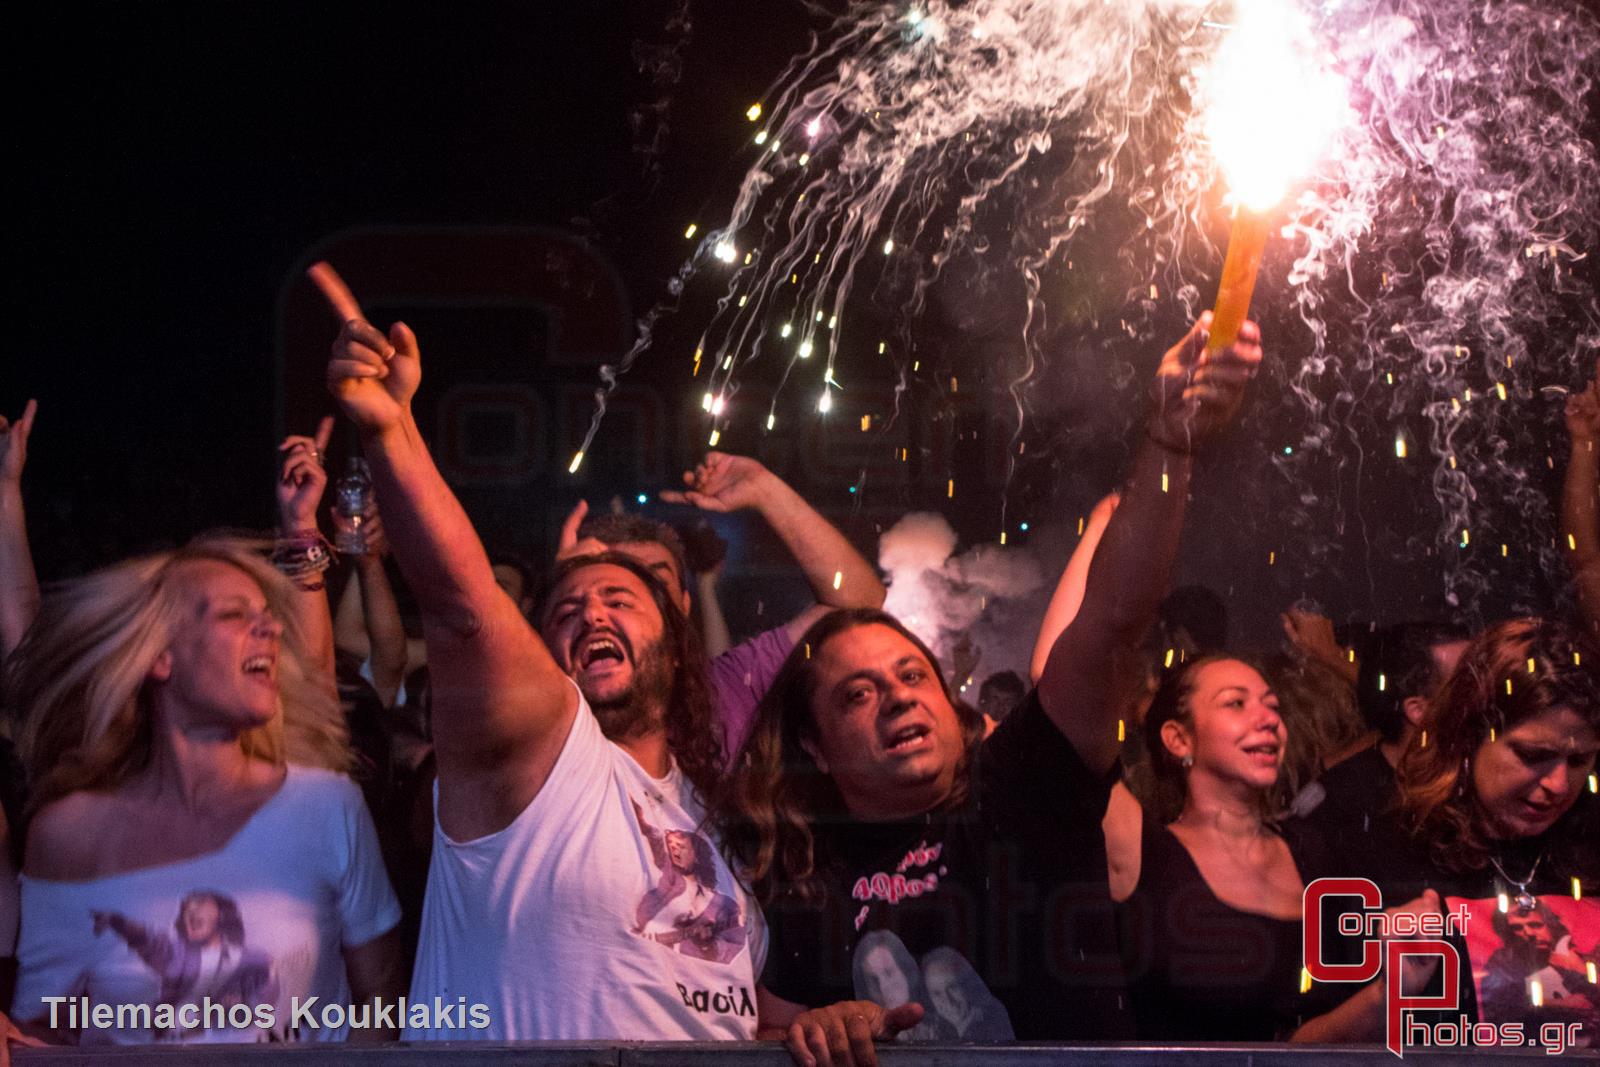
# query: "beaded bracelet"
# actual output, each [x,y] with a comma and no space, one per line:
[302,556]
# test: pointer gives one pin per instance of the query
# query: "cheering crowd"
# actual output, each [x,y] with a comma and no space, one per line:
[576,810]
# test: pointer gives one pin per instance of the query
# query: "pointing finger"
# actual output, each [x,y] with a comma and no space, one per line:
[338,295]
[569,528]
[324,433]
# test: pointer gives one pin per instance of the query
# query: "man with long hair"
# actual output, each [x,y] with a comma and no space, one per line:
[868,802]
[560,755]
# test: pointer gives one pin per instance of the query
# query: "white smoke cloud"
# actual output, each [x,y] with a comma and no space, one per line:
[990,594]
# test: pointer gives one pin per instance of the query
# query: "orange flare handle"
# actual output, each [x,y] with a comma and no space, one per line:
[1245,244]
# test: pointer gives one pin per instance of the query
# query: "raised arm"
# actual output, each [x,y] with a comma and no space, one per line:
[1580,498]
[19,585]
[1068,597]
[839,576]
[300,487]
[501,705]
[368,622]
[1196,394]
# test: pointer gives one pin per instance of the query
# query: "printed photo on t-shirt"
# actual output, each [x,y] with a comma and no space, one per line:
[204,959]
[686,909]
[957,1005]
[1536,965]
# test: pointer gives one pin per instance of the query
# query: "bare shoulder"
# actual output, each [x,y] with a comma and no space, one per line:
[62,837]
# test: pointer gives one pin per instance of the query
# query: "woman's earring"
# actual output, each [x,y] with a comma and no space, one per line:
[1187,761]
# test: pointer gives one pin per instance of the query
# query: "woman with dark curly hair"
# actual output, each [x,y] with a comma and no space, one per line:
[1497,814]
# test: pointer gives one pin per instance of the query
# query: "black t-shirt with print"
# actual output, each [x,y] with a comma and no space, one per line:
[994,915]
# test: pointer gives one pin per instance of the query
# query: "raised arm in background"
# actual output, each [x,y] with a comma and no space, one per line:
[839,576]
[19,585]
[1580,498]
[1196,395]
[300,486]
[368,622]
[501,705]
[1068,597]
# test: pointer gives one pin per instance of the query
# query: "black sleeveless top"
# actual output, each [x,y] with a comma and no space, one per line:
[1198,969]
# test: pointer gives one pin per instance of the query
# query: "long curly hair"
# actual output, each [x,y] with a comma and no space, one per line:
[776,793]
[78,681]
[689,718]
[1492,691]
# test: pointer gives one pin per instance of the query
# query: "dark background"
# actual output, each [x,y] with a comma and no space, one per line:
[514,179]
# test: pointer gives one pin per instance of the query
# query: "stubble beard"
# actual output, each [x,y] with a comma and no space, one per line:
[641,707]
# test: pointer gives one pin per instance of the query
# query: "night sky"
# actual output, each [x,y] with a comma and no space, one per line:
[482,169]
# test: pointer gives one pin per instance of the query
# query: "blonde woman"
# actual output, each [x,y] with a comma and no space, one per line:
[195,857]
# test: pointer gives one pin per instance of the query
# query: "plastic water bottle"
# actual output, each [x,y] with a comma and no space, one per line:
[352,496]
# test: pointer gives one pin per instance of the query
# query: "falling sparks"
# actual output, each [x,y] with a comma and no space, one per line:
[1577,893]
[753,113]
[726,252]
[1400,446]
[1305,980]
[1383,682]
[693,229]
[825,403]
[716,435]
[805,349]
[772,420]
[1122,730]
[888,247]
[838,579]
[950,490]
[577,461]
[1536,992]
[1503,901]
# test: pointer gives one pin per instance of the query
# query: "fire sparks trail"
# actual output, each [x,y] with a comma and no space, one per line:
[1428,157]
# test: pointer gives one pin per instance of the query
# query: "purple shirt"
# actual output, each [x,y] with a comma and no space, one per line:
[740,677]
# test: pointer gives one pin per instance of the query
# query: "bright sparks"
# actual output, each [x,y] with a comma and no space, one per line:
[1272,106]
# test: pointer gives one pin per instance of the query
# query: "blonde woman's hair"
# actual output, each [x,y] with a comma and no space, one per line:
[78,679]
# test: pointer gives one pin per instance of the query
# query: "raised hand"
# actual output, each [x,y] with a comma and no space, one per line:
[14,444]
[569,544]
[1311,634]
[304,477]
[841,1035]
[724,483]
[371,375]
[1196,393]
